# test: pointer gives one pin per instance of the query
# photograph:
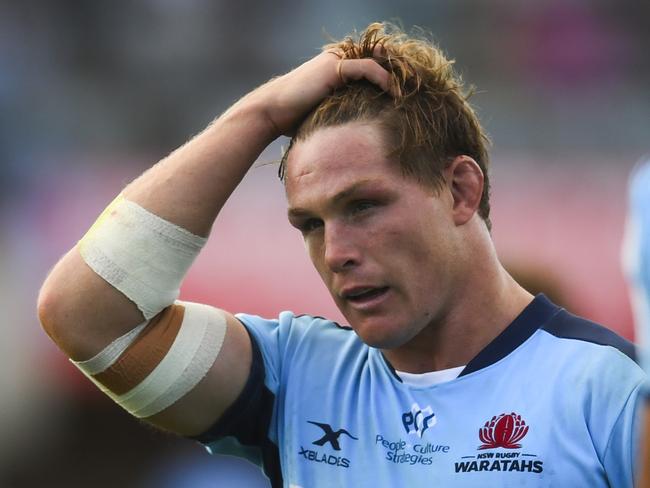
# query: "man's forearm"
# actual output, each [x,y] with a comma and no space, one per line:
[80,310]
[191,185]
[130,265]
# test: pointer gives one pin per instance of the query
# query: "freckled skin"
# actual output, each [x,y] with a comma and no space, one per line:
[389,231]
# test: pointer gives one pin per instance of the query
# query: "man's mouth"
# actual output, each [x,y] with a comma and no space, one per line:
[364,295]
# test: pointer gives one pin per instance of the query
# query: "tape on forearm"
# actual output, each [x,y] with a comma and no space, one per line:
[162,362]
[142,255]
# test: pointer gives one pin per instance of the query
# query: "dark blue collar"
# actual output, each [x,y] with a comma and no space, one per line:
[534,316]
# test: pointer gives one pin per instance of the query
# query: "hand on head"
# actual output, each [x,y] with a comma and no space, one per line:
[286,100]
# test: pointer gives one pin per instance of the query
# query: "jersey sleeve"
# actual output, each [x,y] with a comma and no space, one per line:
[249,427]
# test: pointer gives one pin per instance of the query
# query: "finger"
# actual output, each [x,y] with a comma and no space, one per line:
[336,52]
[379,51]
[339,73]
[358,69]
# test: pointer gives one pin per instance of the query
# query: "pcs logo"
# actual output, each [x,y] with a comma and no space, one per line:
[418,420]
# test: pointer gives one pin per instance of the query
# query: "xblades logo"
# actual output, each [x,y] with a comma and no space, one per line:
[418,420]
[330,436]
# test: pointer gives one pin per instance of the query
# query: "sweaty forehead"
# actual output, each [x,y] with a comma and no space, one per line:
[337,163]
[335,151]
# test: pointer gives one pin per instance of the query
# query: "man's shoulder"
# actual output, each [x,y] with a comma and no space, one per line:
[304,319]
[565,325]
[588,355]
[291,329]
[581,367]
[293,321]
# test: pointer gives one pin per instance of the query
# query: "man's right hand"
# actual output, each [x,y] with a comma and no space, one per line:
[286,100]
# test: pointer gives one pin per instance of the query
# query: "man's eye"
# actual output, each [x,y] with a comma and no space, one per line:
[310,225]
[362,205]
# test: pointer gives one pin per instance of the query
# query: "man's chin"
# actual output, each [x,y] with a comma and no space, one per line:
[378,335]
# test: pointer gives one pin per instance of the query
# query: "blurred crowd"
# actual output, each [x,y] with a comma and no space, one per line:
[93,92]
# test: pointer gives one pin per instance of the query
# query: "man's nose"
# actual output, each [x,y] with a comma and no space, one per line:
[341,250]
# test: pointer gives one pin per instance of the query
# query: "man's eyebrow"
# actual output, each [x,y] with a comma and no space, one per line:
[351,190]
[296,212]
[341,195]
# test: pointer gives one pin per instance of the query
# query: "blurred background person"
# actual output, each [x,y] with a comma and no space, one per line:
[636,264]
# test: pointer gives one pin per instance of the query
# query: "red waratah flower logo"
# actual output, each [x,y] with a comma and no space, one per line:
[504,431]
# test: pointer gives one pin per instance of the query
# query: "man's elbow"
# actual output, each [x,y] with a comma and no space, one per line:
[49,308]
[58,306]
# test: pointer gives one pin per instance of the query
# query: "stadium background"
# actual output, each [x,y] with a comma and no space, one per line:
[92,93]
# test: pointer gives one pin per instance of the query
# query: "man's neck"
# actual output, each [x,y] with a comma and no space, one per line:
[470,324]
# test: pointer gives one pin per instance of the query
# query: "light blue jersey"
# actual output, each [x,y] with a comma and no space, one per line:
[550,402]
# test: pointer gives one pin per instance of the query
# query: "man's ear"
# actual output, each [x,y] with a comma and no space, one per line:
[465,179]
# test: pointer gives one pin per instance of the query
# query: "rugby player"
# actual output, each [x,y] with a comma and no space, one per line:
[449,373]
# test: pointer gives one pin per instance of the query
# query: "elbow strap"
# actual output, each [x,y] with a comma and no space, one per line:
[161,362]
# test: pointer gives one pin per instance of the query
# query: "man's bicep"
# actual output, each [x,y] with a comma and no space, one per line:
[204,404]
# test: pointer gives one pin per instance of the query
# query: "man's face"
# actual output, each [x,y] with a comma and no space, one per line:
[383,244]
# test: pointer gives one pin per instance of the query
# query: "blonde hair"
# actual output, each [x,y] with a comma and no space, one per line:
[428,121]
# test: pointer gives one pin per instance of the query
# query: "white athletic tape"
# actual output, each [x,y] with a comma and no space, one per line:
[142,255]
[190,357]
[202,360]
[107,357]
